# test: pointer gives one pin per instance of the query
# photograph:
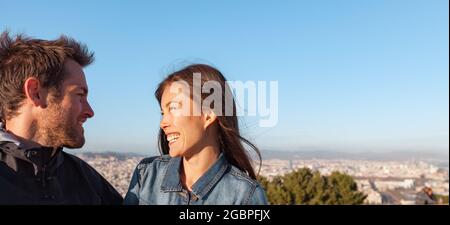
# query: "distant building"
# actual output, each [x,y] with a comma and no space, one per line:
[374,197]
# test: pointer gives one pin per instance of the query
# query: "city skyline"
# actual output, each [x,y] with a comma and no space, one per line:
[384,182]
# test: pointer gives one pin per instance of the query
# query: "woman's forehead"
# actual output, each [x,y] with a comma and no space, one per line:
[175,91]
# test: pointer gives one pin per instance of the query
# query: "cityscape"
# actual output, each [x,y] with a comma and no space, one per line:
[383,181]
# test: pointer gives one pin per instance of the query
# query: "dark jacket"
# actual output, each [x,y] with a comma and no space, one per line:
[32,176]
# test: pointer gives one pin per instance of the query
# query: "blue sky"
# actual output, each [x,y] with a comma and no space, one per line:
[355,76]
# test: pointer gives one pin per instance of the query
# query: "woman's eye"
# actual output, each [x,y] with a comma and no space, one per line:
[173,106]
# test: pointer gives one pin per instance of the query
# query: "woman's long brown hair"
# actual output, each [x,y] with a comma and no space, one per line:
[230,140]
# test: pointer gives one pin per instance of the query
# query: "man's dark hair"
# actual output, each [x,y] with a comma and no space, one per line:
[23,57]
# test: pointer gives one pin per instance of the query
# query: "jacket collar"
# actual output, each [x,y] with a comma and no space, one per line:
[172,182]
[39,157]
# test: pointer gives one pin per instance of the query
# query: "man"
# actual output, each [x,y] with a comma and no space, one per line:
[43,105]
[425,197]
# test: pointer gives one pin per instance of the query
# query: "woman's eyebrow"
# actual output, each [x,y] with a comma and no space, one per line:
[170,102]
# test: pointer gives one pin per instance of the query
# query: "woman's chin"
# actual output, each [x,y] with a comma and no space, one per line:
[174,152]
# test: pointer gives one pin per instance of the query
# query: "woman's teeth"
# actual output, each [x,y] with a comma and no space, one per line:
[172,137]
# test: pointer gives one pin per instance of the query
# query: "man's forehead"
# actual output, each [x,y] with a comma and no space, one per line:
[72,65]
[73,74]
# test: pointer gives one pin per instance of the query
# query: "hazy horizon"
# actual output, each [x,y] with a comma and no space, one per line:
[308,151]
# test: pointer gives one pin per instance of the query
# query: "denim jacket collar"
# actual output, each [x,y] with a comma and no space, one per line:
[172,182]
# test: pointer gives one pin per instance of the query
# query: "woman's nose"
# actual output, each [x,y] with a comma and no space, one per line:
[164,122]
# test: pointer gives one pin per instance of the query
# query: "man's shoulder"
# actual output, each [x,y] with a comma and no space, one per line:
[74,159]
[93,177]
[71,160]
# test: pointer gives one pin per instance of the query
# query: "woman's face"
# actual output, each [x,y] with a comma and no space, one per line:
[184,131]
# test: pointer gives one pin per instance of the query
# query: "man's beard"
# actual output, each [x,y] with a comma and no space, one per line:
[58,128]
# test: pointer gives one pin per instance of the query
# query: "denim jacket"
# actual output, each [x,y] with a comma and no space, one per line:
[156,181]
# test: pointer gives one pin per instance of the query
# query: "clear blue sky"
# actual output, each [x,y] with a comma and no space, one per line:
[357,75]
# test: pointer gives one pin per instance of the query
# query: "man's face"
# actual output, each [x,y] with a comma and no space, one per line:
[60,124]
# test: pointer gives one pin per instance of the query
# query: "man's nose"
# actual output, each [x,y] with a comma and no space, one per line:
[89,112]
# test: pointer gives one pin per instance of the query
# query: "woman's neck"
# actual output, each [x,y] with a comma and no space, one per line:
[196,165]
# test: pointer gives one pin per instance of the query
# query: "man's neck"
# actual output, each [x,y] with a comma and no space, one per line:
[22,126]
[25,132]
[28,144]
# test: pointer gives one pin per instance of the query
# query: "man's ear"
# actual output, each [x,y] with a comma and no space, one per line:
[209,117]
[34,92]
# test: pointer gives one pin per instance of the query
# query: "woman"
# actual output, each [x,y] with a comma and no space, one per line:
[203,159]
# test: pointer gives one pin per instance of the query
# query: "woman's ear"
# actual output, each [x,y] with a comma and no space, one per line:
[34,92]
[209,118]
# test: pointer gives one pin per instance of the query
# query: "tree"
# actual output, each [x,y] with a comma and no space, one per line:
[344,190]
[441,199]
[311,188]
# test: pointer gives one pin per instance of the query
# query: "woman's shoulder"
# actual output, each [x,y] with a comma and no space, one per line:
[252,191]
[240,176]
[153,162]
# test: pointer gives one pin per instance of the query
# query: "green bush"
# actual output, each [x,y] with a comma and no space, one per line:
[304,187]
